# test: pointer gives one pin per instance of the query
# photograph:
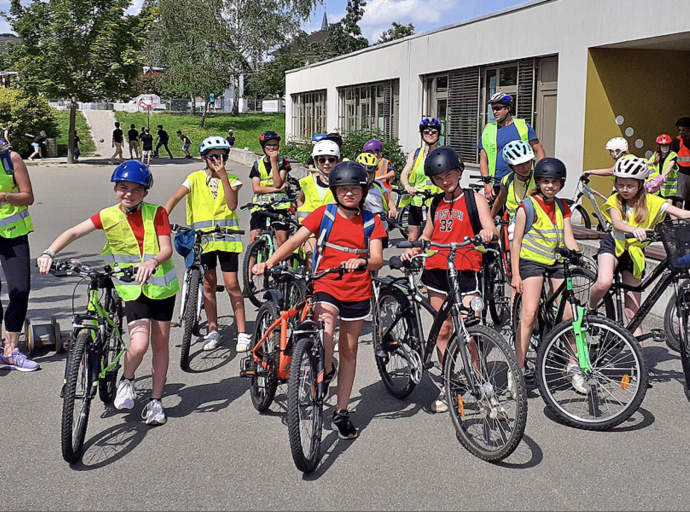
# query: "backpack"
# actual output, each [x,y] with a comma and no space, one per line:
[472,211]
[6,161]
[529,212]
[326,226]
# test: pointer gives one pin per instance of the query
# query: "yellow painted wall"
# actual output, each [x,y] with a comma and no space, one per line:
[648,88]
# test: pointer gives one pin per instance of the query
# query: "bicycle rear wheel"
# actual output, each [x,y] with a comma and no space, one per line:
[498,291]
[684,328]
[616,386]
[403,219]
[489,419]
[76,402]
[264,381]
[580,217]
[305,405]
[255,286]
[189,316]
[671,319]
[396,343]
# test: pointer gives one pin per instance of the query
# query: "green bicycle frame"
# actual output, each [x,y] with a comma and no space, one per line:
[580,333]
[95,307]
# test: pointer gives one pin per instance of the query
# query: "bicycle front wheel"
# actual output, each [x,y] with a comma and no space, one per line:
[305,405]
[671,319]
[489,416]
[607,395]
[76,402]
[255,286]
[111,350]
[580,217]
[403,219]
[265,378]
[498,296]
[189,316]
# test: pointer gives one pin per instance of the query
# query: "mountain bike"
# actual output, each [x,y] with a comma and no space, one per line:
[489,420]
[607,356]
[579,216]
[95,350]
[261,249]
[192,297]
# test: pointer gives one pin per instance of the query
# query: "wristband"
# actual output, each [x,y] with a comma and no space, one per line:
[48,253]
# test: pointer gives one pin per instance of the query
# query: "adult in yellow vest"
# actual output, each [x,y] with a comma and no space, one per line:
[384,172]
[496,135]
[138,235]
[415,181]
[15,225]
[314,190]
[681,146]
[269,183]
[211,200]
[630,210]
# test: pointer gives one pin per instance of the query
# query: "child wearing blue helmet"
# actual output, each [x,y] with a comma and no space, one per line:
[137,234]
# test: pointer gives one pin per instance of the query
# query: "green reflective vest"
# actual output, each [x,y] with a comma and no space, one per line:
[312,198]
[515,197]
[420,182]
[15,221]
[670,186]
[489,140]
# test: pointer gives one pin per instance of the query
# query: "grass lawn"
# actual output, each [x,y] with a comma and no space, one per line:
[62,117]
[247,127]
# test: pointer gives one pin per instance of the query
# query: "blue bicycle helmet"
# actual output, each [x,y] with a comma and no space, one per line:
[430,122]
[316,138]
[134,171]
[215,142]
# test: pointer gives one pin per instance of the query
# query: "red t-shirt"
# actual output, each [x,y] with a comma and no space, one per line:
[452,224]
[550,209]
[136,222]
[354,286]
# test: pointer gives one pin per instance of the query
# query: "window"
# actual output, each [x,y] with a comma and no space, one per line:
[308,114]
[370,107]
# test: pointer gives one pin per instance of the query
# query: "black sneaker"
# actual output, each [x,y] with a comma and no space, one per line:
[328,378]
[341,422]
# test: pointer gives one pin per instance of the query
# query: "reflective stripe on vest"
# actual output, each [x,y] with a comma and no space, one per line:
[490,135]
[420,181]
[266,180]
[122,248]
[540,242]
[15,221]
[204,213]
[312,198]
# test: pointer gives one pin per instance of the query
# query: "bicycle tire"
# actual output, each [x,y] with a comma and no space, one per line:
[685,350]
[402,222]
[395,368]
[108,385]
[580,217]
[671,319]
[264,381]
[189,316]
[302,397]
[496,285]
[295,292]
[77,388]
[616,386]
[492,427]
[255,286]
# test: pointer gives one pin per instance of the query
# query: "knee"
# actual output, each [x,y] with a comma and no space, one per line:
[445,331]
[604,282]
[528,317]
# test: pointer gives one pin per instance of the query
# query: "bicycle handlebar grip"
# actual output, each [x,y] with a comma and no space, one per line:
[409,245]
[650,235]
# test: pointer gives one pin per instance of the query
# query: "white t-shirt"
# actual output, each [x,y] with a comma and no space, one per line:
[374,200]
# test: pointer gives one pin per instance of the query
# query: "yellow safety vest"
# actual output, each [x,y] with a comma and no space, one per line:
[632,245]
[122,248]
[513,199]
[420,182]
[670,186]
[490,135]
[205,213]
[539,244]
[312,199]
[267,181]
[15,221]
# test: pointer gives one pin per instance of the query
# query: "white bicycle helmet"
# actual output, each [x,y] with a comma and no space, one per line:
[618,145]
[210,143]
[518,152]
[326,148]
[633,167]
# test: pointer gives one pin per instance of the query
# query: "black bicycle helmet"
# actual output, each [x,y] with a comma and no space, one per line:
[268,135]
[550,168]
[335,137]
[430,122]
[442,160]
[348,173]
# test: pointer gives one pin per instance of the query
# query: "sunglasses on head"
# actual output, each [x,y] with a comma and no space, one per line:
[329,159]
[214,158]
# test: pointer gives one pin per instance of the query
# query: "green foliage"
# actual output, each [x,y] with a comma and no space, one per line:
[27,114]
[270,80]
[397,31]
[297,151]
[344,36]
[62,118]
[247,127]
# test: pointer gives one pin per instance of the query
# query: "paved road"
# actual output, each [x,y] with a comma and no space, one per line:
[216,452]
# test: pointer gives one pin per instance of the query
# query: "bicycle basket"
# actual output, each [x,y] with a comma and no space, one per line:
[675,236]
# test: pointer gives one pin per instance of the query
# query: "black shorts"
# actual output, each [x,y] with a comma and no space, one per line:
[257,220]
[533,269]
[415,216]
[229,261]
[150,309]
[436,280]
[348,311]
[608,246]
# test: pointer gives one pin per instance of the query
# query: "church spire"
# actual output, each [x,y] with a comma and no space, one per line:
[324,22]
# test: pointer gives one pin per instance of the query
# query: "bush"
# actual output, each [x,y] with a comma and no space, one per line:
[28,114]
[295,151]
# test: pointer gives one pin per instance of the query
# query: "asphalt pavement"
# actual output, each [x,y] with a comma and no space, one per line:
[216,452]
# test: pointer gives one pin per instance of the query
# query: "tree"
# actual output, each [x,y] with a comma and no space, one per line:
[345,36]
[397,31]
[269,81]
[81,50]
[27,114]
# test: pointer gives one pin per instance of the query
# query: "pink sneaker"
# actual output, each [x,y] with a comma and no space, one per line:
[18,361]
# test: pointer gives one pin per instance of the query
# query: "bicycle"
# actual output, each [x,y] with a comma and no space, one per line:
[95,350]
[579,216]
[609,358]
[488,419]
[192,296]
[261,249]
[401,222]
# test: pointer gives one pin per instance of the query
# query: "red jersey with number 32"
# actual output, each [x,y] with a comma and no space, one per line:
[452,224]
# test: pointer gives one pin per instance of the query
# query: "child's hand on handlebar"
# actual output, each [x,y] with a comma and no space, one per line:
[410,190]
[410,253]
[354,263]
[487,235]
[260,268]
[145,271]
[640,234]
[44,263]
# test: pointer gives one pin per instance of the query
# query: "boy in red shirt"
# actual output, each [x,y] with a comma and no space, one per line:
[349,297]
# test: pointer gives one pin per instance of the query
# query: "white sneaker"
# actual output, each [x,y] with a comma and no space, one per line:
[511,383]
[577,379]
[440,404]
[153,413]
[244,341]
[124,399]
[212,340]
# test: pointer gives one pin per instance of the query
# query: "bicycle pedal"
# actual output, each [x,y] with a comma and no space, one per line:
[175,324]
[658,335]
[220,288]
[246,369]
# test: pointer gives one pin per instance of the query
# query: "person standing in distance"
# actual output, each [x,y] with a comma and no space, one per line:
[496,135]
[681,146]
[146,146]
[162,140]
[133,139]
[231,138]
[116,142]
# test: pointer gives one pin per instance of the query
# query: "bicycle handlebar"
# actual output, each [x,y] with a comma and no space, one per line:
[488,180]
[62,268]
[217,229]
[282,270]
[425,245]
[652,236]
[425,194]
[575,257]
[265,206]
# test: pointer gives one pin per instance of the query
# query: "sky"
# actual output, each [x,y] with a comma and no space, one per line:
[425,15]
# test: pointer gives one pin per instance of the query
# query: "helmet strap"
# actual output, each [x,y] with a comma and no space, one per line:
[357,209]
